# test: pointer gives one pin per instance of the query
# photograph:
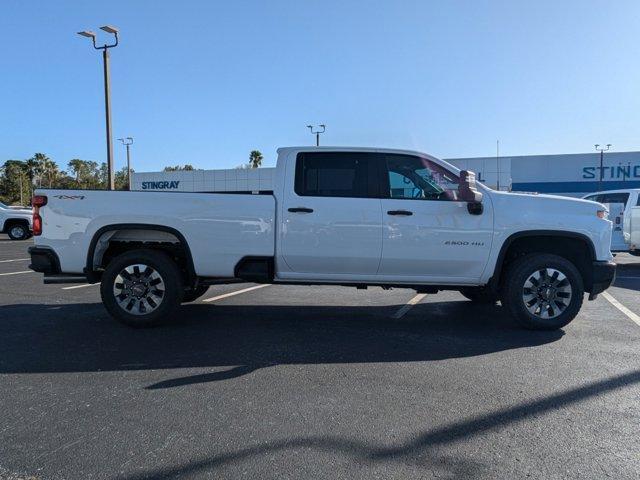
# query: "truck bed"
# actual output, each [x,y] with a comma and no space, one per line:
[219,228]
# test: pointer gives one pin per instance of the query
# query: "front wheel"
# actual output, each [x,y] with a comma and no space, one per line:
[543,291]
[18,232]
[141,288]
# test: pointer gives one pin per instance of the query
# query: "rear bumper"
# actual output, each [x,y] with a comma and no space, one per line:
[603,275]
[44,260]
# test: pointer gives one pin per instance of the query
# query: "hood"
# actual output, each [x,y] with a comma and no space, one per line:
[20,209]
[550,201]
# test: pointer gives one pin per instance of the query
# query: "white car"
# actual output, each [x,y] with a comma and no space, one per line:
[15,221]
[624,208]
[345,216]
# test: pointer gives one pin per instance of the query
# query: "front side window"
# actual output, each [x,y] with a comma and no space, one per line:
[418,178]
[336,174]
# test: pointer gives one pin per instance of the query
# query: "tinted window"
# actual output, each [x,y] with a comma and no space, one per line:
[419,178]
[614,198]
[336,174]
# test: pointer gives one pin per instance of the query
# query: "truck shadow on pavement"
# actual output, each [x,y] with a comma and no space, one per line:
[236,340]
[421,449]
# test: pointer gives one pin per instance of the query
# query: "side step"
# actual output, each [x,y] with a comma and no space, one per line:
[64,278]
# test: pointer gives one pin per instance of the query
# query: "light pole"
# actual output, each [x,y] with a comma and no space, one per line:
[107,95]
[601,150]
[317,132]
[127,142]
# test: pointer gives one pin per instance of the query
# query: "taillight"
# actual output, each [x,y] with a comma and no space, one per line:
[38,201]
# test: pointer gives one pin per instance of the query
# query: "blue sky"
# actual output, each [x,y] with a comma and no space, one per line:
[205,82]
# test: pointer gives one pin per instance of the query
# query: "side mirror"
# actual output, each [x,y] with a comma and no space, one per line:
[467,191]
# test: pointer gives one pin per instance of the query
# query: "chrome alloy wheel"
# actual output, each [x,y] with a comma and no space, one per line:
[17,232]
[547,293]
[138,289]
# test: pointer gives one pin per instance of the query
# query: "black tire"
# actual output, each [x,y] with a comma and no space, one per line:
[635,253]
[515,291]
[194,293]
[18,231]
[161,305]
[479,295]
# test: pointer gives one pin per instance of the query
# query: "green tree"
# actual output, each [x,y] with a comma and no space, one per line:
[14,183]
[88,174]
[255,158]
[122,179]
[178,168]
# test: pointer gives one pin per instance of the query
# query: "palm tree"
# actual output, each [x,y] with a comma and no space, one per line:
[255,158]
[50,169]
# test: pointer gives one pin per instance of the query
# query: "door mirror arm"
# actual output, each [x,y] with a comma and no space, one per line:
[467,192]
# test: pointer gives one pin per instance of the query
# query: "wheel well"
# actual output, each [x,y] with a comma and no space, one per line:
[575,248]
[109,242]
[14,221]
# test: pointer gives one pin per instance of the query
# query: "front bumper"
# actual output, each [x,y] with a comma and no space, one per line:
[603,275]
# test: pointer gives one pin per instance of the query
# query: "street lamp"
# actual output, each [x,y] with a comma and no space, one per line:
[127,142]
[317,132]
[107,94]
[601,150]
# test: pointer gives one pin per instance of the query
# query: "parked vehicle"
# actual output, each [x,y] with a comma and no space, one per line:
[624,211]
[345,216]
[15,221]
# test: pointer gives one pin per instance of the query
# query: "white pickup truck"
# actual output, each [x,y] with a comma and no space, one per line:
[348,216]
[624,211]
[15,221]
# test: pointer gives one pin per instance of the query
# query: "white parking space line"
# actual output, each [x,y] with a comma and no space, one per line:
[15,260]
[16,273]
[635,318]
[410,304]
[81,286]
[237,292]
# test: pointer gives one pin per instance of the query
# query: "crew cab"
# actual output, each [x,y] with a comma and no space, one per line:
[342,216]
[15,221]
[624,211]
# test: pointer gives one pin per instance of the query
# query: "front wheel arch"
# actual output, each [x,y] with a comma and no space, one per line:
[573,246]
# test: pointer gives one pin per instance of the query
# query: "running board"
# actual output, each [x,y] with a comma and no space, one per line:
[52,279]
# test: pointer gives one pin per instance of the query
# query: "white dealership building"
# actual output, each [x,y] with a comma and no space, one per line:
[562,174]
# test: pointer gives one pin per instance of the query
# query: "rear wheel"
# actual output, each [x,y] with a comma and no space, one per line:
[18,231]
[543,291]
[141,288]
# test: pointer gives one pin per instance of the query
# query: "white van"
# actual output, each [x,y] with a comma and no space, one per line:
[624,212]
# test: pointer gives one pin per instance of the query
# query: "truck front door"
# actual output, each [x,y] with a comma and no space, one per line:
[332,219]
[428,235]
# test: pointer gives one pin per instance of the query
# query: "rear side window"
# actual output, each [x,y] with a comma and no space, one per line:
[336,174]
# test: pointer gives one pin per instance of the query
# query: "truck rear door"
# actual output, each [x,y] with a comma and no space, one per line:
[332,218]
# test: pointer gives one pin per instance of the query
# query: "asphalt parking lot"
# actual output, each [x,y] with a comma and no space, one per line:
[314,382]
